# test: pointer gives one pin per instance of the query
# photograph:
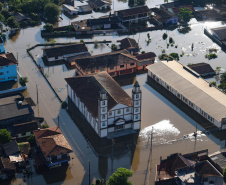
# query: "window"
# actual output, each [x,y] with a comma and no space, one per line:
[103,102]
[110,113]
[56,57]
[167,87]
[127,109]
[64,155]
[1,73]
[103,109]
[2,78]
[7,71]
[1,67]
[53,158]
[137,95]
[157,79]
[121,66]
[119,127]
[137,103]
[136,117]
[136,110]
[103,124]
[112,67]
[119,111]
[23,134]
[103,116]
[131,64]
[112,74]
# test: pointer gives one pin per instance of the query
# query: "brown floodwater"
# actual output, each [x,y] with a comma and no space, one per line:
[172,129]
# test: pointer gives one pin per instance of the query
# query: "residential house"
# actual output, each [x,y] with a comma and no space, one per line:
[203,69]
[71,60]
[114,63]
[220,9]
[7,168]
[84,9]
[208,14]
[145,60]
[133,14]
[163,17]
[2,48]
[193,168]
[220,35]
[26,129]
[21,18]
[106,107]
[109,22]
[219,158]
[8,67]
[166,6]
[53,146]
[58,53]
[14,109]
[129,44]
[69,2]
[81,27]
[182,85]
[70,10]
[12,151]
[100,5]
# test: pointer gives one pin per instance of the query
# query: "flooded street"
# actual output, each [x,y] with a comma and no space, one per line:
[172,129]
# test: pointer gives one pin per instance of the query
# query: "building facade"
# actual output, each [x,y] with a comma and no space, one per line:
[8,67]
[104,104]
[53,146]
[184,86]
[2,48]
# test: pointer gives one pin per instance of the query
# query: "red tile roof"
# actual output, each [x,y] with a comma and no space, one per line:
[52,142]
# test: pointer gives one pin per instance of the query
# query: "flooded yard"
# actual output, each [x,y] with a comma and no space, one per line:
[172,129]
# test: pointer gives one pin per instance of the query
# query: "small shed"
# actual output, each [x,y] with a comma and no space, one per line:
[203,69]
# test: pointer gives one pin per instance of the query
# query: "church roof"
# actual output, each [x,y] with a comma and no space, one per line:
[90,87]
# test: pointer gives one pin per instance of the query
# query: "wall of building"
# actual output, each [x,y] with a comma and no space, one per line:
[8,73]
[2,48]
[179,96]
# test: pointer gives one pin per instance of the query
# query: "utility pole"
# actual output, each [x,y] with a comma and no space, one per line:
[58,121]
[89,172]
[37,92]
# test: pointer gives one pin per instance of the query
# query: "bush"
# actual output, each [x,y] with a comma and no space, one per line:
[95,44]
[164,36]
[48,27]
[171,41]
[211,56]
[45,126]
[113,47]
[31,140]
[5,136]
[64,105]
[82,41]
[175,56]
[23,81]
[142,52]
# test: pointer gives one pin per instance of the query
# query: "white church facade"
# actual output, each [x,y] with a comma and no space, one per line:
[104,104]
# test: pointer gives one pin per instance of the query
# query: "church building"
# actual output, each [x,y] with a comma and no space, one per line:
[104,104]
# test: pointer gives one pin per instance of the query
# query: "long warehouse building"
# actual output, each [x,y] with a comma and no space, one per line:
[190,92]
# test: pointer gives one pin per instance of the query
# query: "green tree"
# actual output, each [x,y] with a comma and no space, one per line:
[120,177]
[213,83]
[131,2]
[12,23]
[223,15]
[2,18]
[23,81]
[51,12]
[164,36]
[140,2]
[113,47]
[171,41]
[175,56]
[5,136]
[223,78]
[31,140]
[185,14]
[5,13]
[45,126]
[1,6]
[64,105]
[48,27]
[96,44]
[224,174]
[222,86]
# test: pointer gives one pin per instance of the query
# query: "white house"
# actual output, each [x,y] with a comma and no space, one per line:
[190,88]
[105,105]
[58,53]
[71,10]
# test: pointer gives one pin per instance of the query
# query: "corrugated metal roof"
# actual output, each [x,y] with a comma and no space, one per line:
[197,90]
